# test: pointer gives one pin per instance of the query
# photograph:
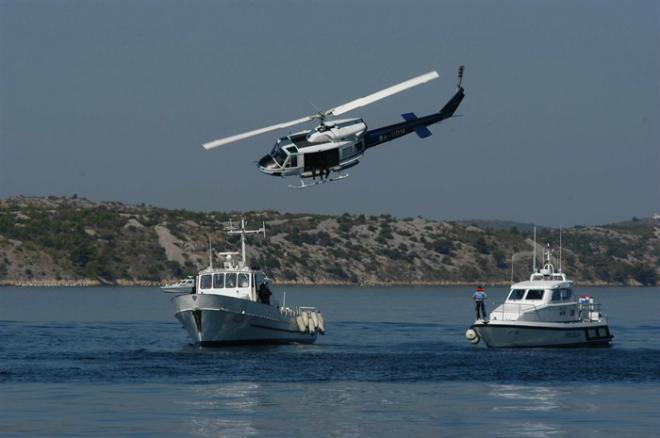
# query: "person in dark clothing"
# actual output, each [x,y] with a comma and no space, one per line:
[264,293]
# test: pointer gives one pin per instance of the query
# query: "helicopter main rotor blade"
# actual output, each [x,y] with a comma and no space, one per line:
[244,135]
[341,109]
[357,103]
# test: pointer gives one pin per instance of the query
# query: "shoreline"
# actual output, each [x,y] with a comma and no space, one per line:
[145,283]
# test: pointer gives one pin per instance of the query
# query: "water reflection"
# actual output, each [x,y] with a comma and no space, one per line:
[526,398]
[223,409]
[513,399]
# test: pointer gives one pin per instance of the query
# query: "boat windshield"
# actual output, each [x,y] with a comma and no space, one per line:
[535,294]
[562,294]
[516,294]
[205,282]
[218,281]
[231,280]
[243,280]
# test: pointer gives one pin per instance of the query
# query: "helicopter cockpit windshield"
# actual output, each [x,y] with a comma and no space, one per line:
[278,153]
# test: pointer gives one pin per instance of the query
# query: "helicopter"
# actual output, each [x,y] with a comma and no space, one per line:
[335,145]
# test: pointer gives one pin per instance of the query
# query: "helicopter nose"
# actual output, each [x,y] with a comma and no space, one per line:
[267,164]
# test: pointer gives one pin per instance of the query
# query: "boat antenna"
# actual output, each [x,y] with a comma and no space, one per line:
[210,252]
[560,249]
[513,254]
[534,262]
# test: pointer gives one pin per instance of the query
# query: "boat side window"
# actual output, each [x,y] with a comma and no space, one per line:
[218,281]
[534,294]
[206,281]
[566,294]
[231,280]
[556,295]
[516,294]
[243,280]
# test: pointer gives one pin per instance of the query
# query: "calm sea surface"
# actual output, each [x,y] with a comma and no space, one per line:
[394,362]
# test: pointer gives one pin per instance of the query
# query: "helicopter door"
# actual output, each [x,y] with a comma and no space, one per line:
[322,160]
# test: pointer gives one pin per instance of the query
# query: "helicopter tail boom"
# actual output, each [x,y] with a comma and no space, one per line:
[412,123]
[422,131]
[450,107]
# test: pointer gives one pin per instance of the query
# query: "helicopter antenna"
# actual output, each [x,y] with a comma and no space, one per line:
[460,75]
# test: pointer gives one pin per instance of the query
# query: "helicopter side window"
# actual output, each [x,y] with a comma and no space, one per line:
[293,152]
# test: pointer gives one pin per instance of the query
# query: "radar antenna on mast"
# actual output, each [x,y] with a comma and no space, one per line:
[231,229]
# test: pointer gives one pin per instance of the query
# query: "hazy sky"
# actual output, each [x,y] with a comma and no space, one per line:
[112,100]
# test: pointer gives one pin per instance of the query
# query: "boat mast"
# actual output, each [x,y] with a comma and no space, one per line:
[242,231]
[210,253]
[560,249]
[534,262]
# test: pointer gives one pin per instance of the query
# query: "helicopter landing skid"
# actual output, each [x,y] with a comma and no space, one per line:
[320,181]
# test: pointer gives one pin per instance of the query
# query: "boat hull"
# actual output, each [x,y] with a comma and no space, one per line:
[216,320]
[514,334]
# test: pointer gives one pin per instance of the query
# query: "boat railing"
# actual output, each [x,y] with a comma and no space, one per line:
[512,310]
[589,311]
[296,311]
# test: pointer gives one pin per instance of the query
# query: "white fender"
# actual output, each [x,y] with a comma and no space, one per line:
[321,323]
[310,324]
[315,319]
[301,324]
[305,318]
[472,336]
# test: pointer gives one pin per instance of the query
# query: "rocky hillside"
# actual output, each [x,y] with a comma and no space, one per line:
[75,241]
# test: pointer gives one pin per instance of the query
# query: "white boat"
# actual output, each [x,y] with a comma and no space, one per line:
[180,287]
[543,312]
[225,308]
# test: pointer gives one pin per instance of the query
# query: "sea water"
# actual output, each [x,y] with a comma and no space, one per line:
[394,362]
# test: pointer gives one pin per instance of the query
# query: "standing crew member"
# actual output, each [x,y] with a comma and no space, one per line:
[479,297]
[264,292]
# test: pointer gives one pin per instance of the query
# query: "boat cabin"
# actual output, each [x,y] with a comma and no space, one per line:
[547,296]
[235,284]
[541,293]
